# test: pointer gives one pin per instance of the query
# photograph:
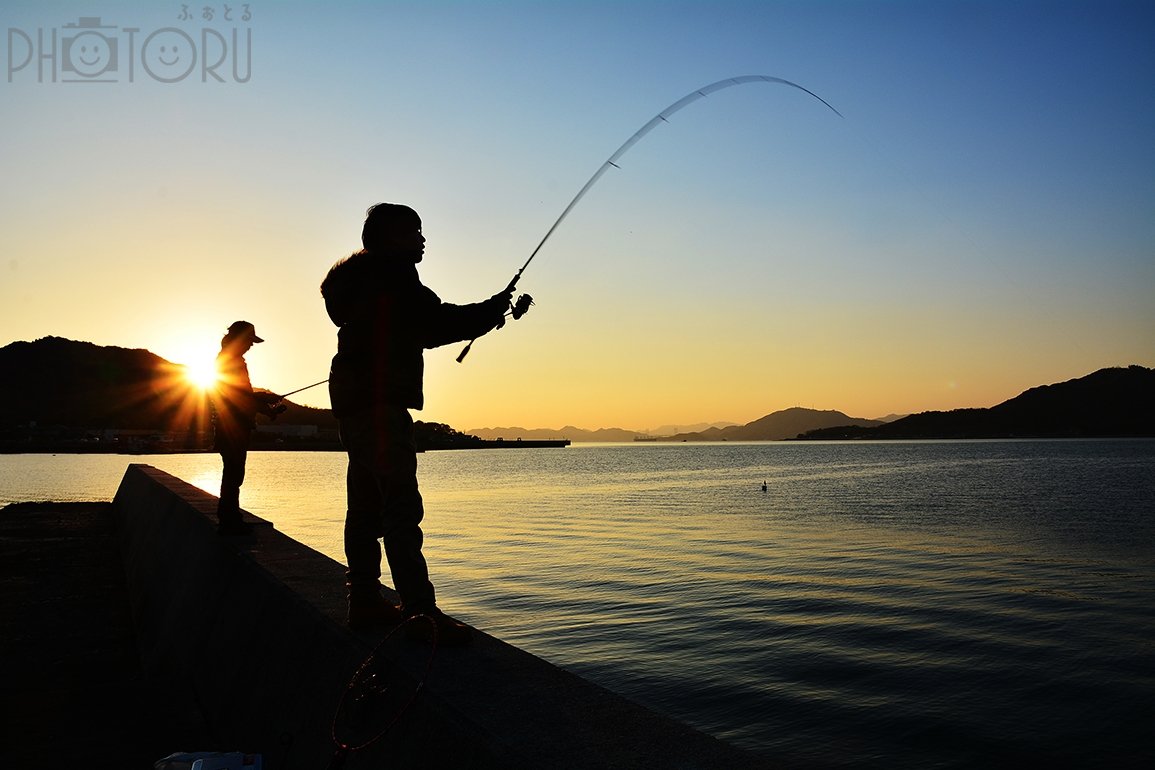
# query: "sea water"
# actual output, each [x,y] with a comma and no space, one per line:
[889,604]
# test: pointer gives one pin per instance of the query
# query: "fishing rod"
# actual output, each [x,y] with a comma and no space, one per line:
[298,390]
[661,117]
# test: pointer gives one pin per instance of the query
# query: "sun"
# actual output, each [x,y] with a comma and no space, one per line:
[202,374]
[194,358]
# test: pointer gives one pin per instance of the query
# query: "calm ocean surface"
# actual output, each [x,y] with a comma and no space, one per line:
[889,605]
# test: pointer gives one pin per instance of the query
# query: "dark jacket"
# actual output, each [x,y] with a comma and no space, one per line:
[235,405]
[387,318]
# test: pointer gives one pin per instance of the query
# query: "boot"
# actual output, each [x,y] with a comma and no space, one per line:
[369,610]
[233,526]
[434,626]
[230,522]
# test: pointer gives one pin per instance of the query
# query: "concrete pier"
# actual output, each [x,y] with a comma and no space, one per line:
[241,643]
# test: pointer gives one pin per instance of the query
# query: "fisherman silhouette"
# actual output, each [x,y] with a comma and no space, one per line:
[386,319]
[235,407]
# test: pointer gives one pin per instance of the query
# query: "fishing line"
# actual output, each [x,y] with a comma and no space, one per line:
[374,701]
[612,161]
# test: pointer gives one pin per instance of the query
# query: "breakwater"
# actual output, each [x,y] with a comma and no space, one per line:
[252,628]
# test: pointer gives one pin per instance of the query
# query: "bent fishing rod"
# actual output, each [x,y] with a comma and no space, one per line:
[522,305]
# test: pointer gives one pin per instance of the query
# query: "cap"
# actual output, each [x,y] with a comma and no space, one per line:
[244,327]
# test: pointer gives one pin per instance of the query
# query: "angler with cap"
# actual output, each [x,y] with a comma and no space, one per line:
[235,409]
[386,318]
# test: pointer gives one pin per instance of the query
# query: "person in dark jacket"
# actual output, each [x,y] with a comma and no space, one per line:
[235,409]
[386,319]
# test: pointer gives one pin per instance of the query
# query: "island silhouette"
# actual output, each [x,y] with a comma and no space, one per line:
[66,395]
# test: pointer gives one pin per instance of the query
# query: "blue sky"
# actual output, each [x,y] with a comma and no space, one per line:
[981,221]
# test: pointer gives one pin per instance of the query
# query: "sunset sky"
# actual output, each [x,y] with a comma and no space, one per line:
[980,221]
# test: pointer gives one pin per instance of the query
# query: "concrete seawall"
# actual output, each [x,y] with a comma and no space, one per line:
[253,628]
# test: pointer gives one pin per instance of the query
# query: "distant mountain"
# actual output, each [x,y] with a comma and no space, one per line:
[1109,402]
[568,432]
[787,423]
[54,381]
[60,383]
[584,435]
[671,430]
[776,426]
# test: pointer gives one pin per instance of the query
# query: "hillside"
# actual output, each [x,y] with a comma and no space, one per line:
[572,433]
[783,424]
[54,392]
[568,432]
[787,423]
[54,381]
[1109,402]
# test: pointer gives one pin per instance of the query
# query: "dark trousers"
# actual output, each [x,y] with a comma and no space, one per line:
[234,451]
[384,502]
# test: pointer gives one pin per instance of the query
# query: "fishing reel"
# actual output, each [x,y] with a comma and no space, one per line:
[516,310]
[521,306]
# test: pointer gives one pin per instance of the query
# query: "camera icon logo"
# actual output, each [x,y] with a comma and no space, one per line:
[89,49]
